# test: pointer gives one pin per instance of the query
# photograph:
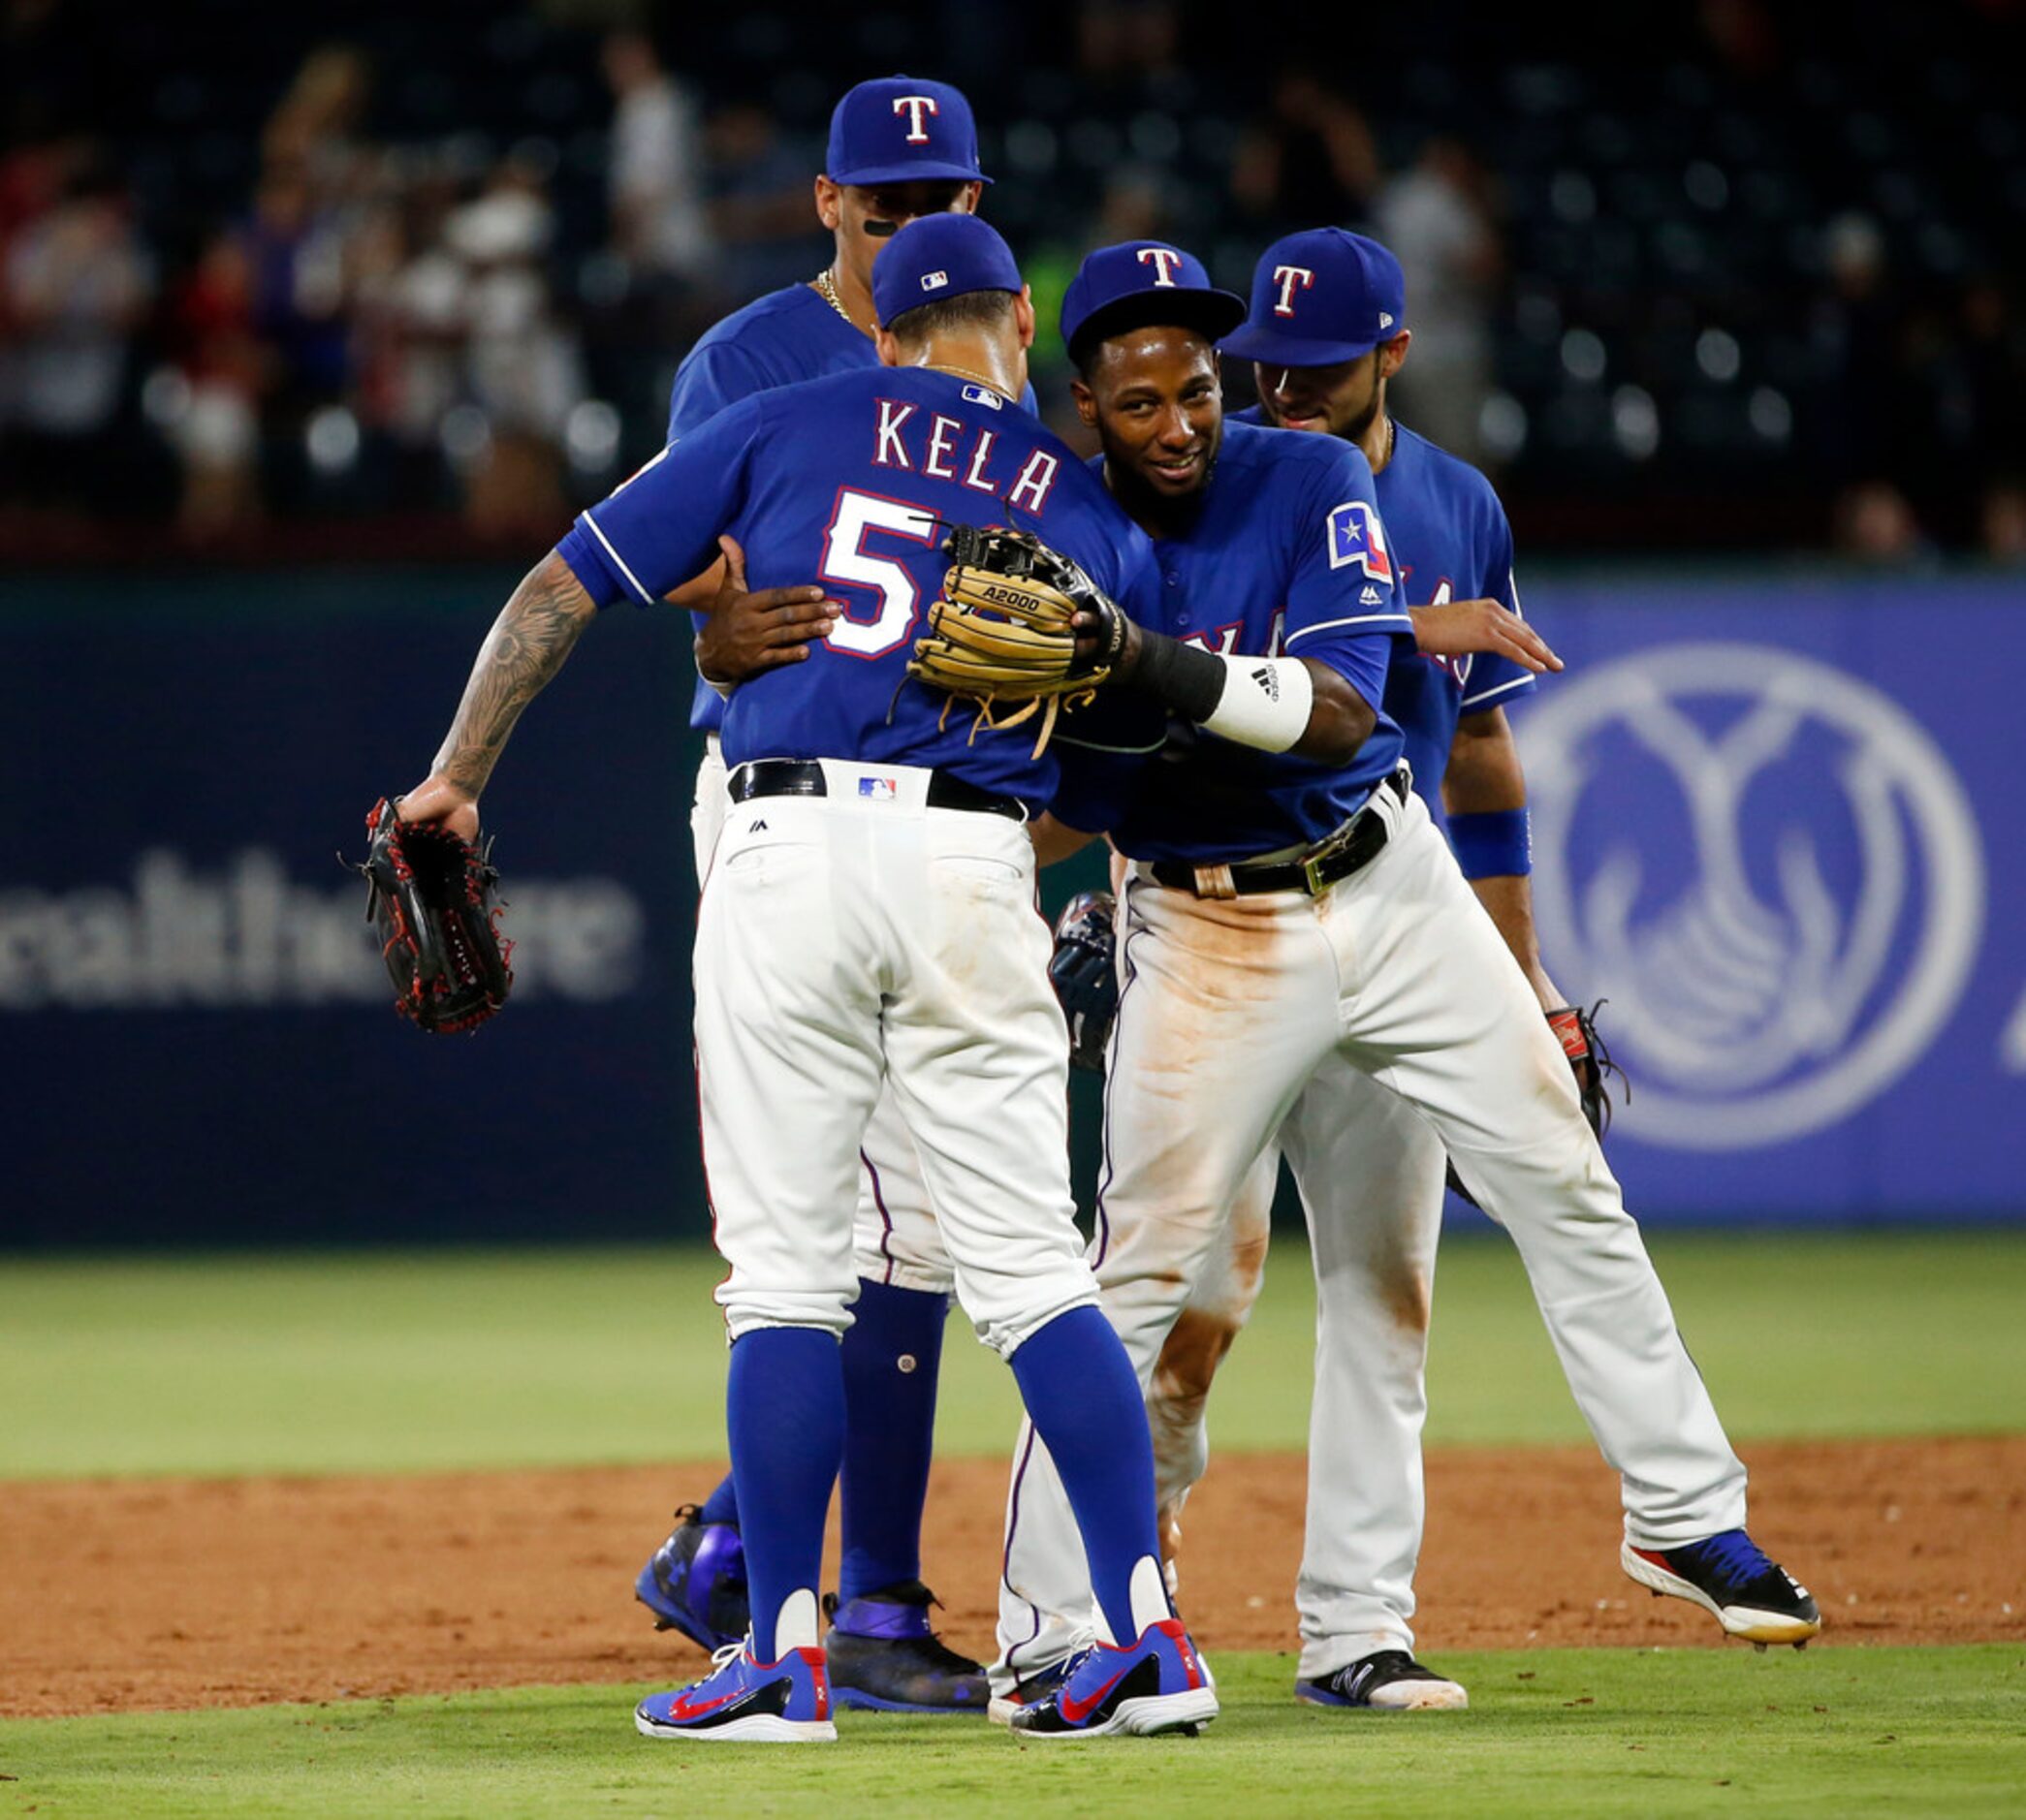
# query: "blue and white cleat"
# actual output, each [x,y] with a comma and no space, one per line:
[1147,1688]
[696,1581]
[1730,1578]
[1039,1685]
[742,1701]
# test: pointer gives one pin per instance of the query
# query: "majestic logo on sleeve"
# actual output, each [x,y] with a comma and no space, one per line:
[1289,278]
[1357,536]
[914,107]
[1164,259]
[1769,869]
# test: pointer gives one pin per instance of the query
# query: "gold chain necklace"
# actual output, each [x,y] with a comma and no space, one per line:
[827,290]
[965,372]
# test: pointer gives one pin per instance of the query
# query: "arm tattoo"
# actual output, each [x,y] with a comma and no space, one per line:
[526,648]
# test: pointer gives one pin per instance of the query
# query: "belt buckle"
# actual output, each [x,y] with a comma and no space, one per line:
[1325,850]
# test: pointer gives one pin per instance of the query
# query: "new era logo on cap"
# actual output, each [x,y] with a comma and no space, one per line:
[1385,319]
[935,280]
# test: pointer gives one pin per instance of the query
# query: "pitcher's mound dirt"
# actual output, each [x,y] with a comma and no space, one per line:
[125,1594]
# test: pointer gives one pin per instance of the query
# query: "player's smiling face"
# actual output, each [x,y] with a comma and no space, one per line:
[1155,402]
[1340,400]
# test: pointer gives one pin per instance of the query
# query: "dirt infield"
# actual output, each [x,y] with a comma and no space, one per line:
[173,1593]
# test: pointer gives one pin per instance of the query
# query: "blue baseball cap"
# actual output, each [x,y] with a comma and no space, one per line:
[902,129]
[935,257]
[1137,283]
[1320,298]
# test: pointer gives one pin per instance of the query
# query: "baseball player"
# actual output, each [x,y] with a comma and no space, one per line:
[900,148]
[1302,961]
[869,918]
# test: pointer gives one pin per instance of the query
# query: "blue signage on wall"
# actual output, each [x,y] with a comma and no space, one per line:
[1778,828]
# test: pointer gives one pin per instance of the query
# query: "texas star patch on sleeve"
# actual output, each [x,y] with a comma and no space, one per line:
[1357,536]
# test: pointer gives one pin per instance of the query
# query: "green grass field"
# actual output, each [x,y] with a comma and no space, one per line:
[1574,1732]
[384,1362]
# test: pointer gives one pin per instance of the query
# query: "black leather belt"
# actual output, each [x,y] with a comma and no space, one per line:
[1357,843]
[803,777]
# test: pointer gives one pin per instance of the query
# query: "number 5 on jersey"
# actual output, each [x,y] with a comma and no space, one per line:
[859,571]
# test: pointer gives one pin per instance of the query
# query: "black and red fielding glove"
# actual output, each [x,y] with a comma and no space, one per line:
[433,896]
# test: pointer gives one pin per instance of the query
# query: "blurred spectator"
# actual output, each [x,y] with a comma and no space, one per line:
[1434,219]
[207,404]
[1855,333]
[523,368]
[2001,528]
[1874,523]
[74,287]
[1310,163]
[1127,49]
[658,220]
[364,309]
[762,207]
[314,124]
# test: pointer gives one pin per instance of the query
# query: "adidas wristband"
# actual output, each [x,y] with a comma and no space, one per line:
[1265,702]
[1259,701]
[1495,843]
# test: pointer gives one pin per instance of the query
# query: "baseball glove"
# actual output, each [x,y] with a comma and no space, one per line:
[1000,633]
[1085,980]
[1589,1060]
[431,894]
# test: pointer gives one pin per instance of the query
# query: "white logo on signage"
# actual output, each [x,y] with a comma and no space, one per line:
[244,931]
[1789,980]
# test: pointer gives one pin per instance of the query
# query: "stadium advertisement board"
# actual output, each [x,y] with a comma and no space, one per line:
[1777,828]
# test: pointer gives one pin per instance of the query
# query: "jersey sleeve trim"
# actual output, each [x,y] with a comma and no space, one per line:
[1398,622]
[633,581]
[1525,680]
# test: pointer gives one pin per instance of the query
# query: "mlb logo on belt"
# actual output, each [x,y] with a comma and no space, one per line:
[1357,536]
[879,789]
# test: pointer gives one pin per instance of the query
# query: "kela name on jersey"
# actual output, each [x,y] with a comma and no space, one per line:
[911,440]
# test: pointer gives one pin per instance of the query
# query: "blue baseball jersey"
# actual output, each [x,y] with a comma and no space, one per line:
[1288,557]
[1450,541]
[779,340]
[847,482]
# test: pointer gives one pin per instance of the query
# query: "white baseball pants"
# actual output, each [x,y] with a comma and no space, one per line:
[1246,1021]
[862,940]
[895,1235]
